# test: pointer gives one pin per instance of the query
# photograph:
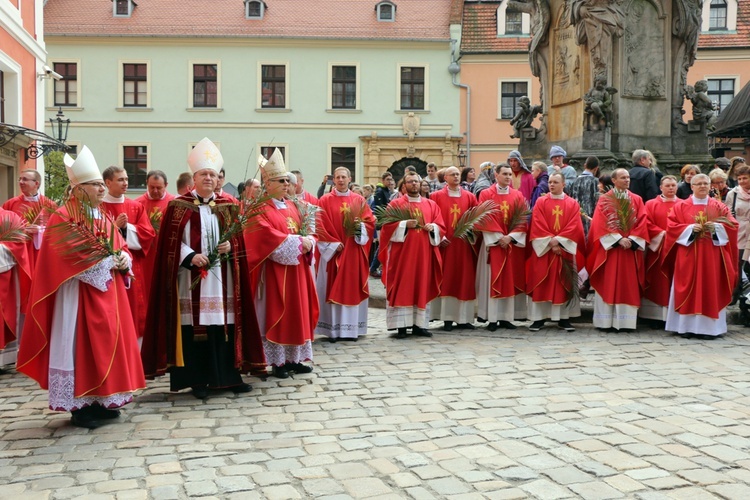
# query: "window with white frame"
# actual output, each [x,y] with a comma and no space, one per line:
[717,15]
[267,151]
[386,11]
[135,85]
[273,86]
[66,89]
[205,85]
[512,23]
[510,93]
[720,91]
[344,156]
[254,9]
[123,8]
[135,162]
[412,85]
[343,87]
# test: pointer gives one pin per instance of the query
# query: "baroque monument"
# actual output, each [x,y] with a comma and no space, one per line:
[613,77]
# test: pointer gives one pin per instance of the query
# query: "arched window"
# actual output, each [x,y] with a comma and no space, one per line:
[254,9]
[718,15]
[386,11]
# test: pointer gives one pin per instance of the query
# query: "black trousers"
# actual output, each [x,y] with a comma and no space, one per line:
[209,360]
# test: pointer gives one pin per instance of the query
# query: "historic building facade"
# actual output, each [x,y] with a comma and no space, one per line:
[339,82]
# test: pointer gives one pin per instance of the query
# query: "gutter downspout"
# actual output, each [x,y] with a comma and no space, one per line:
[468,117]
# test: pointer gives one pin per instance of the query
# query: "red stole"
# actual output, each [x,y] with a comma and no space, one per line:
[107,360]
[348,270]
[617,274]
[459,275]
[9,304]
[553,217]
[658,281]
[704,274]
[162,342]
[139,287]
[412,270]
[291,301]
[20,206]
[508,277]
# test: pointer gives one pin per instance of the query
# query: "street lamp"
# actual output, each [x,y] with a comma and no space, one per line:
[45,144]
[62,126]
[461,157]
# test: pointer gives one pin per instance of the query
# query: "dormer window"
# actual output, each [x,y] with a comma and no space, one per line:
[718,15]
[386,11]
[255,9]
[123,8]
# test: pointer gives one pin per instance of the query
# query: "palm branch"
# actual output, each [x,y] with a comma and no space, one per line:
[309,213]
[619,212]
[707,221]
[390,214]
[13,230]
[154,217]
[517,216]
[37,213]
[570,279]
[471,218]
[352,218]
[82,235]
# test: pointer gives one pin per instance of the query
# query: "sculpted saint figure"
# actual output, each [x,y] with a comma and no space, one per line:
[526,114]
[597,22]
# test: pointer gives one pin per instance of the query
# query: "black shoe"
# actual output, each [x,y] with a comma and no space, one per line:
[466,326]
[242,388]
[448,326]
[421,332]
[85,418]
[536,326]
[279,372]
[401,333]
[349,339]
[481,320]
[101,413]
[332,340]
[507,325]
[200,392]
[565,325]
[298,368]
[492,326]
[707,337]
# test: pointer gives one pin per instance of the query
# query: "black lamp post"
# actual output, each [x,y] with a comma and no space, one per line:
[62,126]
[461,157]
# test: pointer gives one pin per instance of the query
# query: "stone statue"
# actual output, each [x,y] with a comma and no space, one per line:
[598,104]
[597,22]
[526,114]
[704,111]
[686,27]
[539,10]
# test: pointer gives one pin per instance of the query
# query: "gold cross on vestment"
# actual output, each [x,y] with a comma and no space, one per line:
[345,208]
[505,208]
[557,212]
[291,224]
[701,218]
[417,214]
[456,212]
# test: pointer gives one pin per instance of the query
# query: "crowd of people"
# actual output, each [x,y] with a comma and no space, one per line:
[104,292]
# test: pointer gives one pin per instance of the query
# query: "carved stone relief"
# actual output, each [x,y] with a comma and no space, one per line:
[566,61]
[644,71]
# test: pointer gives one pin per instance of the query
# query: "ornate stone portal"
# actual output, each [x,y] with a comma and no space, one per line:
[381,152]
[613,79]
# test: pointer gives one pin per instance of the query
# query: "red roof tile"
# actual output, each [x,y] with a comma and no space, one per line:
[324,19]
[479,31]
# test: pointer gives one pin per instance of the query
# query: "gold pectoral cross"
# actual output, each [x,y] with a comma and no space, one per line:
[345,208]
[505,208]
[292,225]
[557,212]
[456,212]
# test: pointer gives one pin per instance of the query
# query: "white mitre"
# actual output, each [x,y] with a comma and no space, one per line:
[275,167]
[205,155]
[83,168]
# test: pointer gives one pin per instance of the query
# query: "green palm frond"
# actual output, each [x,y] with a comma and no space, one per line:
[13,230]
[82,235]
[390,214]
[353,217]
[619,212]
[471,218]
[517,216]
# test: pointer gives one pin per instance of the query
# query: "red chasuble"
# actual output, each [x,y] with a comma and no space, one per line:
[107,360]
[9,303]
[310,198]
[704,274]
[155,212]
[545,278]
[20,206]
[507,265]
[617,274]
[291,301]
[139,287]
[348,270]
[458,276]
[412,270]
[162,344]
[658,280]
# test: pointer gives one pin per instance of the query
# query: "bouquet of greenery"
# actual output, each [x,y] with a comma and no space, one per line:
[353,216]
[706,222]
[154,217]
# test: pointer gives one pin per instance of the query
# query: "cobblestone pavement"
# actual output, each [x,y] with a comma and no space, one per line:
[462,415]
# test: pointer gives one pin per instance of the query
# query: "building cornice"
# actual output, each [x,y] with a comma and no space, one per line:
[12,22]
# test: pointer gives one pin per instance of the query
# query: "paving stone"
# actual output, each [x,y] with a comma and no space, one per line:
[595,491]
[282,492]
[545,490]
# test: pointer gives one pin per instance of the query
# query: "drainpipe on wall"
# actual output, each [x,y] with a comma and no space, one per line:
[454,69]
